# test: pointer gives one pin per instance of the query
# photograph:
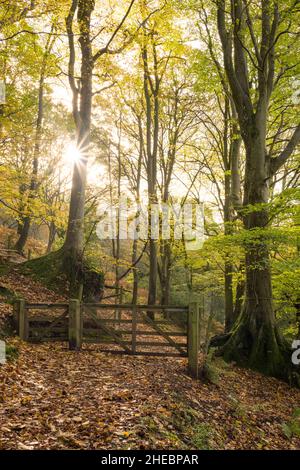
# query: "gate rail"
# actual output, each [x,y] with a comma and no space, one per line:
[78,323]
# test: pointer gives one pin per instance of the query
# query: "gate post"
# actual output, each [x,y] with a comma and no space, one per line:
[22,319]
[16,315]
[134,325]
[193,339]
[75,325]
[121,295]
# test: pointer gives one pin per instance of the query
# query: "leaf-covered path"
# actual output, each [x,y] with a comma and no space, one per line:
[52,398]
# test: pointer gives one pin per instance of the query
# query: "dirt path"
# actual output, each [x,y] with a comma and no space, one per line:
[52,398]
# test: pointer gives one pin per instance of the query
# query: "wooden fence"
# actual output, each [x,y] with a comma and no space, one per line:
[136,330]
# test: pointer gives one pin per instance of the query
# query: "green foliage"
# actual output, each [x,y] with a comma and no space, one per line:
[182,42]
[201,436]
[9,295]
[292,428]
[48,270]
[55,272]
[12,352]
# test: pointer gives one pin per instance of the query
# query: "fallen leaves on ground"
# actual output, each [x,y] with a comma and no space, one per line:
[53,398]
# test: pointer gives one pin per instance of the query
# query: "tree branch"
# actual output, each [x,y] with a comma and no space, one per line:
[105,49]
[278,162]
[240,97]
[72,59]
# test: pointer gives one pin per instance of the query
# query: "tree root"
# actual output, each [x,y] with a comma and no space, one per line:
[263,350]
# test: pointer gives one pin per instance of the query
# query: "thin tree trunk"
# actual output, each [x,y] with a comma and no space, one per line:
[209,324]
[138,196]
[228,268]
[135,274]
[231,157]
[152,128]
[24,232]
[165,275]
[118,245]
[52,234]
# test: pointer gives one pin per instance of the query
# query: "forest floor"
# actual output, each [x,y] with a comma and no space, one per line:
[52,398]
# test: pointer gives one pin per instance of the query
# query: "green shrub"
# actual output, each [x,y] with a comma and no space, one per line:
[292,428]
[202,435]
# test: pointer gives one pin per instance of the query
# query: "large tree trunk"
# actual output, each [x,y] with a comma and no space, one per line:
[73,246]
[255,340]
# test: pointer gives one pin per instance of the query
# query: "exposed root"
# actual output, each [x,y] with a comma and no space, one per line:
[262,349]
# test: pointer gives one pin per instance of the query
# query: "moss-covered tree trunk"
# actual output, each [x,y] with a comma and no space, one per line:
[255,340]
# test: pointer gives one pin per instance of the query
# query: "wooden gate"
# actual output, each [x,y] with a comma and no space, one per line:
[119,329]
[42,322]
[133,331]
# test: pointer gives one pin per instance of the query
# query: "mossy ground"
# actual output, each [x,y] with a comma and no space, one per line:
[8,295]
[12,352]
[48,270]
[55,272]
[292,427]
[182,425]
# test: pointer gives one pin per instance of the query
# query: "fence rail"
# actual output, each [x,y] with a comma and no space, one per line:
[136,333]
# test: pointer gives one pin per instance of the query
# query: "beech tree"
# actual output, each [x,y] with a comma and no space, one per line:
[82,90]
[251,36]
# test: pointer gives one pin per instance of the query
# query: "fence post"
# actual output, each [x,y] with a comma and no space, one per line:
[134,326]
[121,295]
[75,325]
[16,309]
[9,242]
[193,339]
[119,300]
[22,320]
